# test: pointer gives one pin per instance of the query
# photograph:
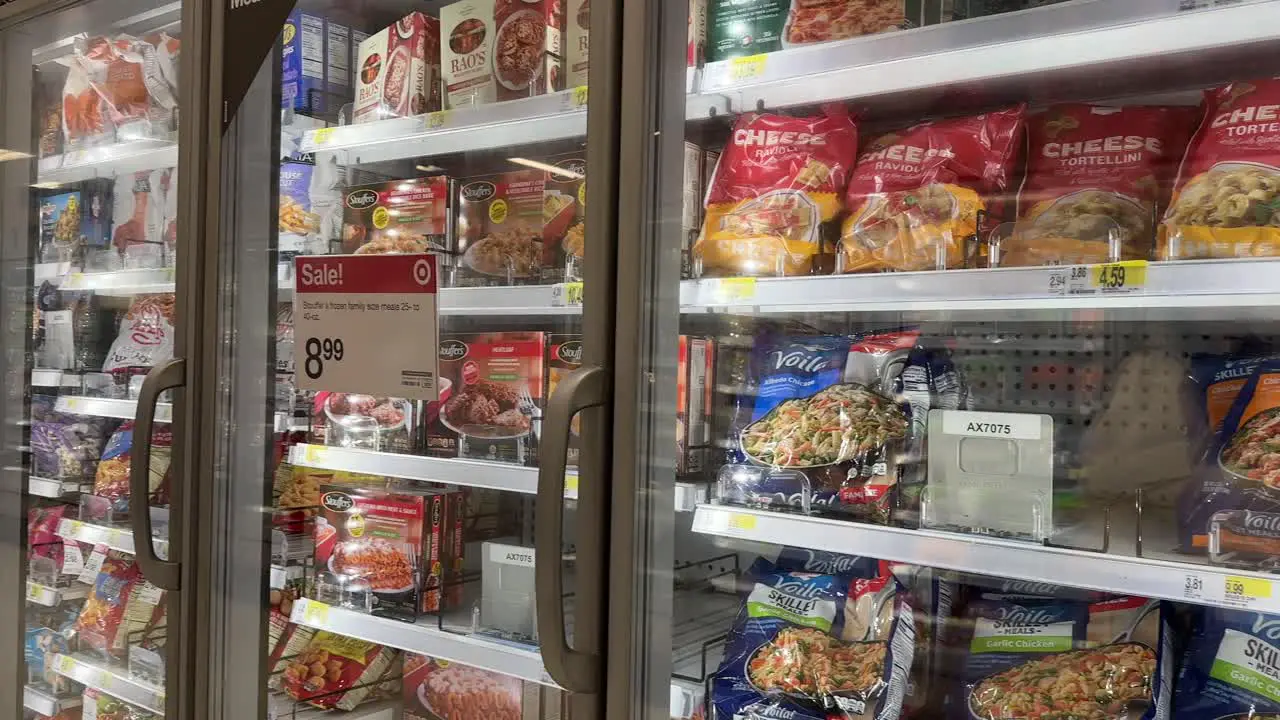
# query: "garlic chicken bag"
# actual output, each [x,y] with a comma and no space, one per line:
[778,181]
[1094,183]
[916,195]
[1226,202]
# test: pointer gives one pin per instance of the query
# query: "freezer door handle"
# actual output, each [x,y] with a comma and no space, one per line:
[575,671]
[161,573]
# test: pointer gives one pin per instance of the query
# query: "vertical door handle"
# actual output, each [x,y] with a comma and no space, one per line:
[161,573]
[575,671]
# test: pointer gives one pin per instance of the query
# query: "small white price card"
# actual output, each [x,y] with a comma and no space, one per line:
[367,324]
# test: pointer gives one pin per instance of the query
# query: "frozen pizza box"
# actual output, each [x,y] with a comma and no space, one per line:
[397,216]
[499,228]
[577,31]
[466,53]
[528,48]
[491,397]
[399,70]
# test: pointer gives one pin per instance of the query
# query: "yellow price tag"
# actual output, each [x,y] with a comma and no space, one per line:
[66,664]
[114,537]
[75,280]
[437,119]
[316,614]
[571,485]
[735,290]
[580,97]
[33,591]
[321,136]
[313,454]
[1127,276]
[1240,588]
[573,293]
[742,69]
[738,521]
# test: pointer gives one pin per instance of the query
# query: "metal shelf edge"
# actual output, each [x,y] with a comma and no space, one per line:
[111,682]
[1187,582]
[469,650]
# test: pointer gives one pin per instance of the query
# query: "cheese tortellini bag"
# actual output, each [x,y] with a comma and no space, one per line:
[916,195]
[1227,199]
[1093,184]
[779,180]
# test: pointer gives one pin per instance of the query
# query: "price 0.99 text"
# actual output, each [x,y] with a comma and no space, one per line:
[318,351]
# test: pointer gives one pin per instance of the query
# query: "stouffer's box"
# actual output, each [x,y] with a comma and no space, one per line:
[398,216]
[396,545]
[399,70]
[491,397]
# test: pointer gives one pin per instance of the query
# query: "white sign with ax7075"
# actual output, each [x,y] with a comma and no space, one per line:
[367,324]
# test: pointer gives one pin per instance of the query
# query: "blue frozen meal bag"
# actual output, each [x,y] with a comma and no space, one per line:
[816,646]
[1231,667]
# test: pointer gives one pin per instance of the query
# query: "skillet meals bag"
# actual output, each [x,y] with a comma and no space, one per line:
[801,649]
[1231,667]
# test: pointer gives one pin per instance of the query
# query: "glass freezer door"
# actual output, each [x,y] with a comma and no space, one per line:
[414,290]
[94,256]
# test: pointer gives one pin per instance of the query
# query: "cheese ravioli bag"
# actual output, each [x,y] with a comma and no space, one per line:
[1226,202]
[779,180]
[808,646]
[1231,667]
[916,195]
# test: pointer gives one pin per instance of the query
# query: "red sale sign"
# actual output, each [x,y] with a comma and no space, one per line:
[367,324]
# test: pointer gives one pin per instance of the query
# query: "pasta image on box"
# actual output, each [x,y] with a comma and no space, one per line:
[442,690]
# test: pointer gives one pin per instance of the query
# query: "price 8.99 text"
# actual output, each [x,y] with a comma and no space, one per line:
[319,351]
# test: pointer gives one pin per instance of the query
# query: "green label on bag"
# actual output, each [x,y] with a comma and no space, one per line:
[1254,682]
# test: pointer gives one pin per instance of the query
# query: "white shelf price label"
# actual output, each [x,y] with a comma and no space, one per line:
[367,323]
[1117,278]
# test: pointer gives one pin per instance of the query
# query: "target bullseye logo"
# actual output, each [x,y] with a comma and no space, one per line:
[422,272]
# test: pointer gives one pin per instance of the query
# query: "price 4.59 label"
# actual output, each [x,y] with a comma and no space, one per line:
[367,324]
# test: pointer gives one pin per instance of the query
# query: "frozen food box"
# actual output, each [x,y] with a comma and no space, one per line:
[296,219]
[697,47]
[577,30]
[499,232]
[140,219]
[564,355]
[466,53]
[337,63]
[564,215]
[399,216]
[399,70]
[357,37]
[441,690]
[528,47]
[385,543]
[302,59]
[694,368]
[748,27]
[491,397]
[60,227]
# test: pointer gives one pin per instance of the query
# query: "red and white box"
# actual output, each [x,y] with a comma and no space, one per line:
[577,36]
[528,47]
[399,70]
[466,52]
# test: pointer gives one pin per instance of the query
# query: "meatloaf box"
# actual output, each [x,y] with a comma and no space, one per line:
[399,70]
[399,216]
[393,545]
[491,397]
[499,231]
